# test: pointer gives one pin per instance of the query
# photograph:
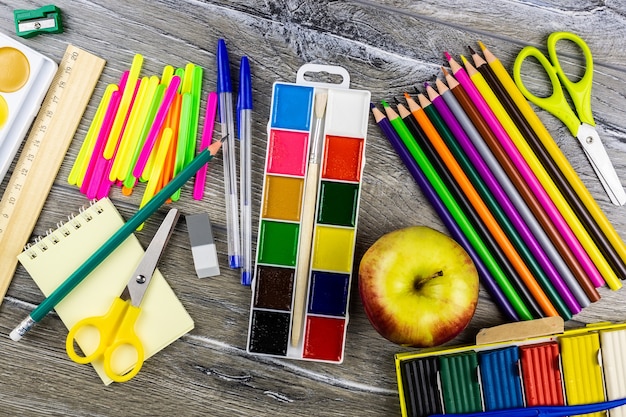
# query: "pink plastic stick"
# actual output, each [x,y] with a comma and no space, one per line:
[93,168]
[207,135]
[105,182]
[168,97]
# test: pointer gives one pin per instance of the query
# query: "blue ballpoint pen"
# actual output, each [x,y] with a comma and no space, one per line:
[546,411]
[227,123]
[244,124]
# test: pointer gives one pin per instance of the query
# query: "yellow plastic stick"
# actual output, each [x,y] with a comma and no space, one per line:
[117,169]
[168,73]
[122,111]
[187,80]
[77,174]
[134,129]
[155,174]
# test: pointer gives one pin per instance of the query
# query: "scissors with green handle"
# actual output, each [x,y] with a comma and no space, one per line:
[580,122]
[117,327]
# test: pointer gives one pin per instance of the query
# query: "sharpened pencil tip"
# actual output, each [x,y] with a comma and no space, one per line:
[372,105]
[407,95]
[384,103]
[447,55]
[482,45]
[425,84]
[472,51]
[445,71]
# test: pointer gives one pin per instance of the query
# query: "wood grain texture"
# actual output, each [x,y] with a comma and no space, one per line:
[388,47]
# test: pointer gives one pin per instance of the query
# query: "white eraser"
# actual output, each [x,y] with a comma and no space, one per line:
[15,335]
[203,247]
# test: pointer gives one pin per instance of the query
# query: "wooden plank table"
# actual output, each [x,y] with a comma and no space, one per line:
[388,47]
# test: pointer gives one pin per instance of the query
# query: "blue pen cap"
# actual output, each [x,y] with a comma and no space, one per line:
[244,98]
[223,68]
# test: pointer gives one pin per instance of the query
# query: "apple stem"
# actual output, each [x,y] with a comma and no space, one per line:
[436,274]
[419,283]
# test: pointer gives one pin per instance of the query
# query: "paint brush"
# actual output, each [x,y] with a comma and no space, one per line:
[308,217]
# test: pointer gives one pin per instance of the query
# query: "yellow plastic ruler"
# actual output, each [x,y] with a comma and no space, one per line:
[43,153]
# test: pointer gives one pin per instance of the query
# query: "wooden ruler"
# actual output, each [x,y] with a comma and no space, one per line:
[43,153]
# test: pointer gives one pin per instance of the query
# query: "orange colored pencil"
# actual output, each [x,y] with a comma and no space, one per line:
[479,205]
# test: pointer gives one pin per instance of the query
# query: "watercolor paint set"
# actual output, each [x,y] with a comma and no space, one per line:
[569,367]
[314,164]
[24,81]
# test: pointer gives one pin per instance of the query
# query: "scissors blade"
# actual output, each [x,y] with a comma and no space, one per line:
[142,276]
[596,153]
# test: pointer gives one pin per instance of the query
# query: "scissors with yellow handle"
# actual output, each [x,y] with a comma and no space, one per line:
[117,327]
[579,122]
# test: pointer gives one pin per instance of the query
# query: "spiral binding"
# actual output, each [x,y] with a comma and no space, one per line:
[63,229]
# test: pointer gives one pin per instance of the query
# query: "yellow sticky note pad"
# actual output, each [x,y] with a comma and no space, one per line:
[49,261]
[333,249]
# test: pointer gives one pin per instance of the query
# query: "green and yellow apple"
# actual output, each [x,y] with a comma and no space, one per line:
[419,287]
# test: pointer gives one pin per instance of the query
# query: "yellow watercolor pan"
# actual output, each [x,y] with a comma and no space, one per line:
[25,76]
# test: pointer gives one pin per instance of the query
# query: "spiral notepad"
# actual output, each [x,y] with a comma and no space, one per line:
[51,259]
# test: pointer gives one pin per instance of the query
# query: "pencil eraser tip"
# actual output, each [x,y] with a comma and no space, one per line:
[15,335]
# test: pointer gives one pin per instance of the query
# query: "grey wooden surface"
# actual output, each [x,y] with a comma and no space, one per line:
[387,47]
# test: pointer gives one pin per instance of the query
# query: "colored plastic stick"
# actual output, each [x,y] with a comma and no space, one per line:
[207,134]
[170,161]
[118,170]
[196,93]
[155,175]
[131,179]
[77,173]
[168,73]
[156,126]
[107,182]
[126,160]
[183,134]
[94,168]
[122,114]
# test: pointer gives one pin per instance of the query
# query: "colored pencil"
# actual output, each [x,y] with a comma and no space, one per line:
[601,229]
[433,132]
[582,224]
[529,197]
[449,221]
[570,226]
[465,203]
[513,203]
[456,212]
[450,129]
